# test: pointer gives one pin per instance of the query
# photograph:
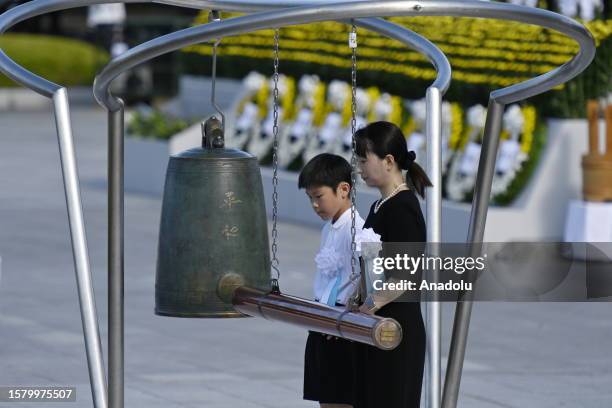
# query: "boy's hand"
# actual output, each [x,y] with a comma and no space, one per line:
[365,309]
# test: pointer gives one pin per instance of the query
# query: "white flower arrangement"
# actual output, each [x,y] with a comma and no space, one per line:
[261,143]
[415,139]
[327,136]
[295,136]
[317,120]
[383,107]
[588,8]
[245,114]
[464,165]
[510,158]
[345,143]
[447,128]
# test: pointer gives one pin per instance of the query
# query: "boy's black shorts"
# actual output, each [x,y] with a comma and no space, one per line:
[328,369]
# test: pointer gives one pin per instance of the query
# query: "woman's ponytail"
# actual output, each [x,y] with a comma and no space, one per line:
[408,159]
[415,175]
[418,178]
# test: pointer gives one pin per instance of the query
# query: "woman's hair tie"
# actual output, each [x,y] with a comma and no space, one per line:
[410,158]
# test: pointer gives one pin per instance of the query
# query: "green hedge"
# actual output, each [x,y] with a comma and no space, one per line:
[155,125]
[61,60]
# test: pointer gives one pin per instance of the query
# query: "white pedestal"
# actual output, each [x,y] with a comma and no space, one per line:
[588,222]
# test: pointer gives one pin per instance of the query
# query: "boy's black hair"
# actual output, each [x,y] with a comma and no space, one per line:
[325,169]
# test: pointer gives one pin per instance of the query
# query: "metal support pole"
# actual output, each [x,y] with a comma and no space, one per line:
[434,235]
[486,171]
[89,317]
[478,218]
[115,259]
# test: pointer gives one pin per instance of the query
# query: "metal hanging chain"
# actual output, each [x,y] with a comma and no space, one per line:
[274,262]
[215,16]
[213,98]
[353,46]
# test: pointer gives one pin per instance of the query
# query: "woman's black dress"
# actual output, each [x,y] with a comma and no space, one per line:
[393,379]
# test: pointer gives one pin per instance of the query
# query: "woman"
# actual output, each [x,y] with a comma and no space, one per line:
[392,379]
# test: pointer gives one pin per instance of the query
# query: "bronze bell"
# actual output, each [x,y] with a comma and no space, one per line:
[213,234]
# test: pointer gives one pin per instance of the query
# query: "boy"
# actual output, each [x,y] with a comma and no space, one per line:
[328,362]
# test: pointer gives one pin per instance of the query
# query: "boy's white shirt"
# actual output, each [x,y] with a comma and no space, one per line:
[334,258]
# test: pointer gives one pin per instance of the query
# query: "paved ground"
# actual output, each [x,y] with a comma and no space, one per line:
[519,355]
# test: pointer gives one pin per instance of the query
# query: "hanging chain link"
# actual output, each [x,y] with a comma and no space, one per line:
[275,263]
[353,46]
[215,16]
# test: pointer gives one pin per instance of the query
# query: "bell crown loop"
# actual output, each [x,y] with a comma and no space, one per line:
[213,134]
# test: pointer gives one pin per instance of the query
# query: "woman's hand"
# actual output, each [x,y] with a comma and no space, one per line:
[368,306]
[366,310]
